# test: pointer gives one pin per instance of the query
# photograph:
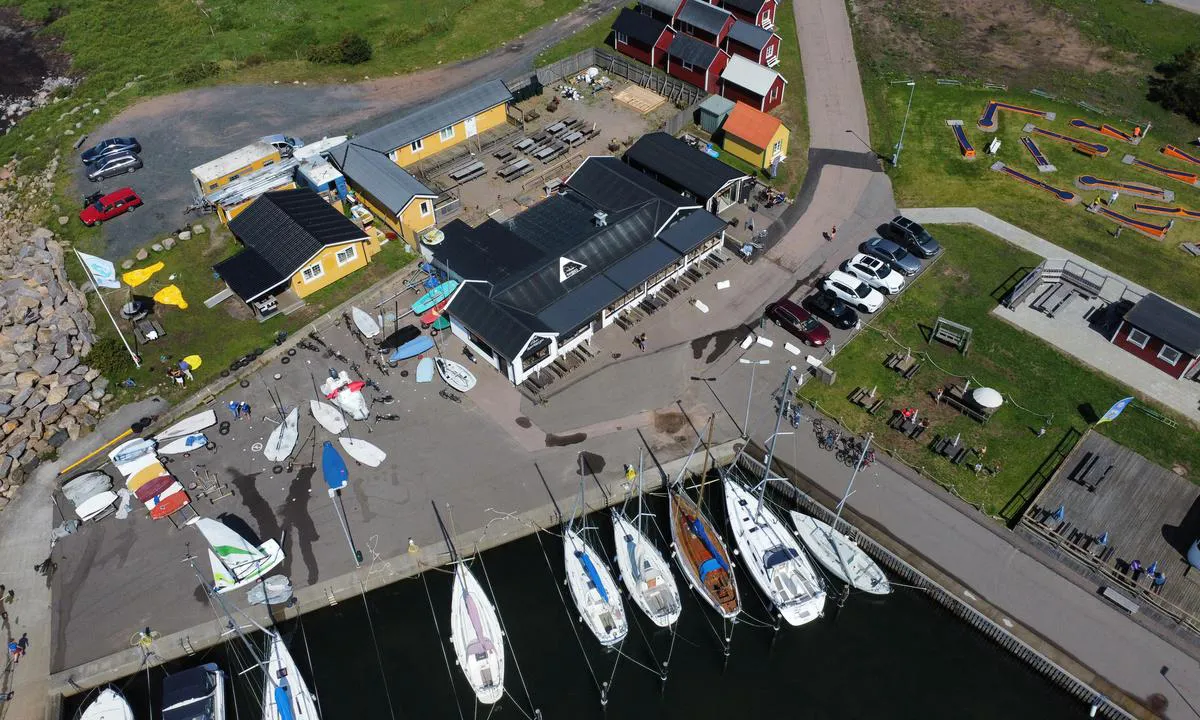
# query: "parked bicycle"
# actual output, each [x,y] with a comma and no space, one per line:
[449,395]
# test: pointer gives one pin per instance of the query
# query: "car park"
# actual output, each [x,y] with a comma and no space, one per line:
[110,206]
[111,146]
[875,273]
[853,291]
[798,321]
[900,259]
[911,235]
[113,165]
[829,307]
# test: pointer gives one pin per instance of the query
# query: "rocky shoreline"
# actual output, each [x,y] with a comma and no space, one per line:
[32,68]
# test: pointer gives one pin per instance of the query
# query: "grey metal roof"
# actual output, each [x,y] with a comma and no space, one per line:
[750,34]
[612,185]
[1174,325]
[666,7]
[750,6]
[431,118]
[248,275]
[717,105]
[693,51]
[636,26]
[709,18]
[473,307]
[388,184]
[688,233]
[678,165]
[637,267]
[756,78]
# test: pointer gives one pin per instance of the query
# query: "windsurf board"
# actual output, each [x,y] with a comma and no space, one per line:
[184,444]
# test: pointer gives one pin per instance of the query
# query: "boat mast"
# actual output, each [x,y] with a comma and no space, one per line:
[762,485]
[445,535]
[233,625]
[846,495]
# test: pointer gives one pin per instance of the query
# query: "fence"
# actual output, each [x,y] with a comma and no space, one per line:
[786,487]
[675,90]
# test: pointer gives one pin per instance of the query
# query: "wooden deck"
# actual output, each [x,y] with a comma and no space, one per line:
[1150,514]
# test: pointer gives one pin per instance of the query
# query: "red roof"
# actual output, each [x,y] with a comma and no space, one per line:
[751,125]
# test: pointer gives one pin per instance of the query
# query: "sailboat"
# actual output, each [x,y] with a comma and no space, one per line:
[475,630]
[286,695]
[592,586]
[194,694]
[235,562]
[109,704]
[644,570]
[283,438]
[699,551]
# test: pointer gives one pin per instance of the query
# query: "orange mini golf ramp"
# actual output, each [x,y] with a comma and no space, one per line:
[1091,182]
[1181,176]
[1180,154]
[990,121]
[964,145]
[1179,213]
[1065,196]
[1083,146]
[1158,232]
[1107,130]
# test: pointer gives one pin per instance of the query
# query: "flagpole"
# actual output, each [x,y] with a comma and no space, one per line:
[137,362]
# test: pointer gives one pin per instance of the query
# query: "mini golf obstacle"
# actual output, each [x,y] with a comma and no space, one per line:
[1090,149]
[1091,182]
[989,122]
[1183,177]
[1065,196]
[964,145]
[1043,165]
[1178,154]
[1108,131]
[1158,232]
[1179,213]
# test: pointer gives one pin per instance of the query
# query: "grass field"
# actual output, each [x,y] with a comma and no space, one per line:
[1029,372]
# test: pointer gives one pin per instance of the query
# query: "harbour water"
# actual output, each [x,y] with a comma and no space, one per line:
[897,656]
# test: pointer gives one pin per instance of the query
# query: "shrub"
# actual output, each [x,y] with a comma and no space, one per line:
[1176,84]
[322,54]
[254,60]
[196,71]
[110,357]
[354,49]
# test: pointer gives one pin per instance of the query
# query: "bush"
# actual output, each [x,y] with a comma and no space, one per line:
[352,49]
[110,357]
[323,54]
[196,71]
[1176,84]
[254,60]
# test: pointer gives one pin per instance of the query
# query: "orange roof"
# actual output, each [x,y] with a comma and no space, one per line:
[751,125]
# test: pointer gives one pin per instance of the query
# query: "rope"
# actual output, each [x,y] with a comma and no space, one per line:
[442,645]
[378,657]
[512,651]
[311,670]
[566,609]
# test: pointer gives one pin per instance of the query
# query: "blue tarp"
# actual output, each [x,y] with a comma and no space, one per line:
[590,569]
[710,565]
[283,702]
[698,530]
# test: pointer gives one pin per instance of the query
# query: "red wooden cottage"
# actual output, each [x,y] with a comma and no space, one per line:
[757,12]
[696,62]
[758,86]
[1161,333]
[753,43]
[704,22]
[642,37]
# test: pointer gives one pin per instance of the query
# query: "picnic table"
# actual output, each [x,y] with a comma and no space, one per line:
[573,138]
[952,448]
[556,128]
[866,399]
[503,155]
[956,397]
[148,330]
[906,364]
[467,172]
[524,144]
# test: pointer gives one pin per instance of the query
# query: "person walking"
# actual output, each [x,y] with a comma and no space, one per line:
[1159,581]
[23,643]
[641,342]
[236,409]
[832,234]
[14,652]
[245,409]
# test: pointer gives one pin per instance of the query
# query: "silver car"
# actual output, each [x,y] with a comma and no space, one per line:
[900,259]
[113,166]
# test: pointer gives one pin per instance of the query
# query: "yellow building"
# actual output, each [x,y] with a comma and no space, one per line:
[294,241]
[394,196]
[440,125]
[213,175]
[754,136]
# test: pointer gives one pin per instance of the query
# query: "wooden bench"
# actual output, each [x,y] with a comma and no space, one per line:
[503,155]
[906,365]
[1096,483]
[1191,248]
[468,172]
[144,329]
[1084,466]
[508,171]
[524,144]
[1119,600]
[862,398]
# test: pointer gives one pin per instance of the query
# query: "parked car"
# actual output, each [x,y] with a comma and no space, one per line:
[798,321]
[900,259]
[911,235]
[284,144]
[827,305]
[111,146]
[110,206]
[875,273]
[114,165]
[854,291]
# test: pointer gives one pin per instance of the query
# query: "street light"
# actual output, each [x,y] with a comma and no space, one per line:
[900,145]
[753,367]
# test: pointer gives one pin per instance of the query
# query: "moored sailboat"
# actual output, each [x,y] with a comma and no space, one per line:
[286,695]
[643,569]
[594,590]
[701,555]
[109,704]
[194,694]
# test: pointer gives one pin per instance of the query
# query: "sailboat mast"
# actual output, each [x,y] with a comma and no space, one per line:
[445,534]
[850,485]
[712,421]
[762,485]
[233,625]
[641,492]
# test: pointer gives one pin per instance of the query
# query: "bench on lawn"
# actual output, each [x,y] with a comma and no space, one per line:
[1191,248]
[1119,600]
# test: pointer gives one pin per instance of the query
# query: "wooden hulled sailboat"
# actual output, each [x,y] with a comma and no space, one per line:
[700,552]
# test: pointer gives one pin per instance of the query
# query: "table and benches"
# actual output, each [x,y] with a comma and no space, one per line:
[865,398]
[468,172]
[515,169]
[956,397]
[950,447]
[1092,470]
[906,364]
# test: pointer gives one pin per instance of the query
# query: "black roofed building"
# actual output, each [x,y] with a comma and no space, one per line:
[696,62]
[699,177]
[758,12]
[642,37]
[295,243]
[1161,333]
[540,284]
[752,42]
[704,21]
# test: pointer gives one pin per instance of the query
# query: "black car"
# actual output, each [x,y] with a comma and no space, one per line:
[911,235]
[111,146]
[113,165]
[829,307]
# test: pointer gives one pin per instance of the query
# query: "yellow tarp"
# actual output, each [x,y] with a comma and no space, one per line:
[193,361]
[170,295]
[133,278]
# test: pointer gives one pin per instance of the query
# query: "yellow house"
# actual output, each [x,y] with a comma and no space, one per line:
[212,175]
[754,136]
[295,241]
[394,196]
[440,125]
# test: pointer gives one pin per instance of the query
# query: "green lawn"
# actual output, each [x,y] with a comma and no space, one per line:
[594,35]
[1029,372]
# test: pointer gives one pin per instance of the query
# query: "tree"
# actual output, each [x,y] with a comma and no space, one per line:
[1176,84]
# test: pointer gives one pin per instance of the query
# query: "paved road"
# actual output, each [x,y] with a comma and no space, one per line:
[181,131]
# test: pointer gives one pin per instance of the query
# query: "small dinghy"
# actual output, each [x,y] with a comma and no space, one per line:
[327,416]
[425,370]
[347,394]
[363,451]
[189,425]
[401,336]
[455,375]
[283,438]
[412,348]
[364,322]
[434,297]
[185,444]
[131,451]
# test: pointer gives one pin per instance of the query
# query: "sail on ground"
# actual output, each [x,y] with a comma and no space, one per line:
[233,559]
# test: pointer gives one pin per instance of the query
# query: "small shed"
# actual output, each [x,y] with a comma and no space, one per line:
[713,111]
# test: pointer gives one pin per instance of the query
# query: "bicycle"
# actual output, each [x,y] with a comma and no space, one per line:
[449,395]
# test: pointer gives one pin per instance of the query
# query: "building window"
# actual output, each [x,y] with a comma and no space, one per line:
[417,145]
[688,66]
[774,91]
[770,51]
[1138,338]
[312,272]
[623,38]
[446,133]
[424,207]
[1169,355]
[777,148]
[346,255]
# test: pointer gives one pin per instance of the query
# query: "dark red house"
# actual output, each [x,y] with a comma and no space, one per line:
[758,86]
[642,37]
[752,42]
[1161,333]
[665,10]
[757,12]
[696,63]
[704,22]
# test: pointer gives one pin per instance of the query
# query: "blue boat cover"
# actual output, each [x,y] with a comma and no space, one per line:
[590,569]
[283,703]
[333,467]
[777,556]
[698,530]
[710,565]
[634,565]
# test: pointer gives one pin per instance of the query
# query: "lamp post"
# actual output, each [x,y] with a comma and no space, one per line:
[753,367]
[900,145]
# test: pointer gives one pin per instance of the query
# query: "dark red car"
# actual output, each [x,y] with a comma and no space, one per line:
[109,206]
[798,322]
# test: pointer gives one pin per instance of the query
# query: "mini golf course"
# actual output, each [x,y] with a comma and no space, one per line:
[1181,176]
[1091,182]
[1107,130]
[964,145]
[989,121]
[1087,148]
[1043,165]
[1178,154]
[1065,196]
[1180,213]
[1158,232]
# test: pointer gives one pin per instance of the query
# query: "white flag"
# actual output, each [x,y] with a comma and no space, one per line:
[104,273]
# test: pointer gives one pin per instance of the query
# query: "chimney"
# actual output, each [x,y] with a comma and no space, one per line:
[600,218]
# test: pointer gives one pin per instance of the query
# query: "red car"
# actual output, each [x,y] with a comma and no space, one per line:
[798,321]
[109,206]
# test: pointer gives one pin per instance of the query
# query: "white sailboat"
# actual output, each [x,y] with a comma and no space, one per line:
[643,569]
[283,438]
[235,562]
[109,704]
[189,426]
[286,695]
[593,590]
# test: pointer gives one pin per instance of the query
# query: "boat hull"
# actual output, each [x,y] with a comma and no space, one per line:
[596,595]
[110,704]
[189,425]
[477,637]
[282,439]
[840,556]
[327,416]
[286,695]
[455,375]
[719,587]
[273,556]
[646,574]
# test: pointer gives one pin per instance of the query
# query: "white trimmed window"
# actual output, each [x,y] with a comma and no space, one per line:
[1138,338]
[623,38]
[417,145]
[346,255]
[774,91]
[1169,355]
[688,66]
[770,51]
[312,272]
[446,133]
[777,148]
[424,208]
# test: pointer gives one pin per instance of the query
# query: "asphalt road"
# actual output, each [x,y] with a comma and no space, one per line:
[181,131]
